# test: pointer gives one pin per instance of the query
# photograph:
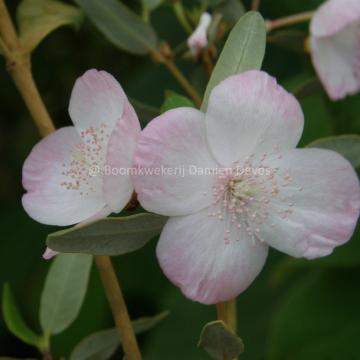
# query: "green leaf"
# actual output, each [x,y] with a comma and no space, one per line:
[346,145]
[151,4]
[230,10]
[318,318]
[15,322]
[64,291]
[120,26]
[109,236]
[174,101]
[38,18]
[219,342]
[244,50]
[102,344]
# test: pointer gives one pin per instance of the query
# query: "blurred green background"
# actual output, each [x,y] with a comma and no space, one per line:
[294,310]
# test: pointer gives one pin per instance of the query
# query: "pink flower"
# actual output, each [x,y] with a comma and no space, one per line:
[64,174]
[261,190]
[198,39]
[335,46]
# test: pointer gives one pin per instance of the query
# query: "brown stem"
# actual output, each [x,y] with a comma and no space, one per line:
[25,84]
[20,70]
[19,67]
[183,81]
[47,356]
[226,311]
[209,66]
[289,20]
[255,5]
[7,29]
[118,307]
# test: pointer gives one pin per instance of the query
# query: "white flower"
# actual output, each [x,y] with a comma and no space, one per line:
[63,175]
[305,202]
[335,46]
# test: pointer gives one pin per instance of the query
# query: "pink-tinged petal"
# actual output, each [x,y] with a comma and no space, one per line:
[337,61]
[209,259]
[317,203]
[49,254]
[96,104]
[199,39]
[250,113]
[60,190]
[333,16]
[103,213]
[169,150]
[120,152]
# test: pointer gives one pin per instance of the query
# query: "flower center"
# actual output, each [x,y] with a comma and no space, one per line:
[85,157]
[242,190]
[247,197]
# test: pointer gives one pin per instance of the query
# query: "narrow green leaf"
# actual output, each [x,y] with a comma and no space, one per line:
[151,4]
[346,145]
[175,100]
[148,322]
[102,344]
[244,50]
[109,236]
[38,18]
[14,320]
[120,26]
[64,291]
[219,342]
[230,10]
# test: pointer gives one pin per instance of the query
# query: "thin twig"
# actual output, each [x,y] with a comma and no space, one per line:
[19,67]
[226,311]
[158,57]
[181,16]
[183,81]
[209,66]
[118,306]
[255,5]
[289,20]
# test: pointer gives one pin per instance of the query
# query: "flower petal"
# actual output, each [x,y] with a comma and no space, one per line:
[49,254]
[333,16]
[120,152]
[250,113]
[198,39]
[194,255]
[96,104]
[317,206]
[174,142]
[337,61]
[59,188]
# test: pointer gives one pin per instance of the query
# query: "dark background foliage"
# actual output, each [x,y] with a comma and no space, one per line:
[294,310]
